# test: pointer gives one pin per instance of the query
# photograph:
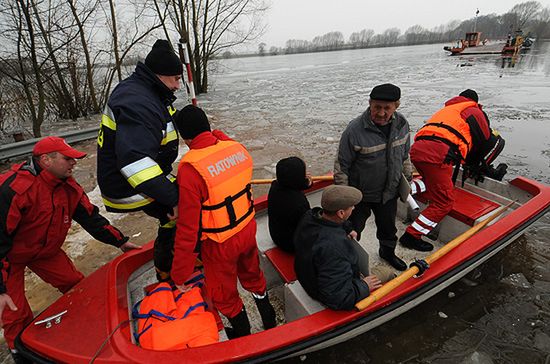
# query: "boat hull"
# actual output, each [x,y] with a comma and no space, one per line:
[98,307]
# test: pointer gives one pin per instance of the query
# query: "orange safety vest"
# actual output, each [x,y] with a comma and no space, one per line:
[226,168]
[448,126]
[170,320]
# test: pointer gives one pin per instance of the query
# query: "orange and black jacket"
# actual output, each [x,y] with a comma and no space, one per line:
[195,195]
[36,211]
[464,127]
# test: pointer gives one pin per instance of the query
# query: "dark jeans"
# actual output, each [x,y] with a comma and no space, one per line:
[163,251]
[384,217]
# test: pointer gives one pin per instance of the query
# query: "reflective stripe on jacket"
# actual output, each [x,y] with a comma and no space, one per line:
[170,319]
[226,168]
[137,144]
[447,125]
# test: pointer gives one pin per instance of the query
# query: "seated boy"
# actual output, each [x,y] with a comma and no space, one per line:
[286,201]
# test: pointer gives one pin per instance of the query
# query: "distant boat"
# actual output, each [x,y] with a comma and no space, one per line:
[473,45]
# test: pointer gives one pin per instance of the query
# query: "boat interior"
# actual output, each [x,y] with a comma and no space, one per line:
[474,203]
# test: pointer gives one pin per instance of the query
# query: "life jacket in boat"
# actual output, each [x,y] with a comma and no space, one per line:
[448,126]
[226,168]
[169,319]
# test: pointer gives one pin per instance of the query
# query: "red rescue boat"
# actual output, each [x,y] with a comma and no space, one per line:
[94,317]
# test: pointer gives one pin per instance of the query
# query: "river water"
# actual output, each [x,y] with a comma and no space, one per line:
[299,105]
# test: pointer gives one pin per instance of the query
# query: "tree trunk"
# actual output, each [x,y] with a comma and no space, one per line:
[36,115]
[89,65]
[115,40]
[67,100]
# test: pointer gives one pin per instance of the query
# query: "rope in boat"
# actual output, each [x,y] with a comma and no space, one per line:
[109,337]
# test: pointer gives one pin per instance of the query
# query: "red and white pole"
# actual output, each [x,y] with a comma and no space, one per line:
[190,85]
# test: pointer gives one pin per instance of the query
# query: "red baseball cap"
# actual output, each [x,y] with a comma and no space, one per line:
[52,144]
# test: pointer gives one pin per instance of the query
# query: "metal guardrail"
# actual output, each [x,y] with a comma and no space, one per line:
[25,147]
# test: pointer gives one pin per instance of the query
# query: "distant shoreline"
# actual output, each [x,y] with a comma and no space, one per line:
[342,48]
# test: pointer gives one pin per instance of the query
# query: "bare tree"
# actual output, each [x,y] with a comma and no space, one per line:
[361,38]
[26,43]
[525,12]
[261,49]
[67,106]
[415,34]
[84,43]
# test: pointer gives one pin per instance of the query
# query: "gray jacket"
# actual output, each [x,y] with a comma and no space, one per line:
[371,162]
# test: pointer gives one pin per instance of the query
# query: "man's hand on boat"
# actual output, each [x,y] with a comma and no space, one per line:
[373,282]
[5,300]
[127,246]
[184,288]
[174,215]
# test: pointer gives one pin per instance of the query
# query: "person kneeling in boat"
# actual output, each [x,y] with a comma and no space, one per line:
[327,265]
[287,202]
[39,199]
[216,208]
[458,134]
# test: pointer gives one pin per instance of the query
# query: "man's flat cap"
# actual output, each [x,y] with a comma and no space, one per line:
[385,92]
[338,197]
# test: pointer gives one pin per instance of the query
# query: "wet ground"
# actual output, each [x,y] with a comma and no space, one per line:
[299,105]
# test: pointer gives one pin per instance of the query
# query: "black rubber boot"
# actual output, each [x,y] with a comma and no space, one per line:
[163,252]
[409,241]
[267,312]
[434,233]
[241,325]
[388,254]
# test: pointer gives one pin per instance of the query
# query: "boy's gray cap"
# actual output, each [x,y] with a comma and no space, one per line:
[338,197]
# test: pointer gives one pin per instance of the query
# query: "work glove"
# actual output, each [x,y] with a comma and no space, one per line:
[474,172]
[498,172]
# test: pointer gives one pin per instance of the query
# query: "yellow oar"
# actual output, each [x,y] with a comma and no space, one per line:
[400,279]
[313,178]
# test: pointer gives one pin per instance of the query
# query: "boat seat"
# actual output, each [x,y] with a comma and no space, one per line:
[298,303]
[283,263]
[468,207]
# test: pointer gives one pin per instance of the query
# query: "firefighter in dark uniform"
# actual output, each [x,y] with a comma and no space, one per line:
[138,143]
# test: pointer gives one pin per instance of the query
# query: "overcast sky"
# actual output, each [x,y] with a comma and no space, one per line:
[305,19]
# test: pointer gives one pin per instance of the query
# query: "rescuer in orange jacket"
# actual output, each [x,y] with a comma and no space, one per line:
[216,209]
[458,134]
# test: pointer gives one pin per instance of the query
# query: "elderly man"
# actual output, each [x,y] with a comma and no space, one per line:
[138,143]
[327,264]
[372,156]
[39,199]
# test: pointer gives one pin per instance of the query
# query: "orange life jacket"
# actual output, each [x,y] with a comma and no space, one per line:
[170,320]
[226,168]
[448,126]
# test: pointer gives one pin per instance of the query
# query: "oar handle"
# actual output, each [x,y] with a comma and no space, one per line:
[313,178]
[403,277]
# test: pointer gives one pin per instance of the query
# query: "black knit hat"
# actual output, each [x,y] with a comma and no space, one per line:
[470,94]
[162,60]
[191,121]
[385,92]
[291,173]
